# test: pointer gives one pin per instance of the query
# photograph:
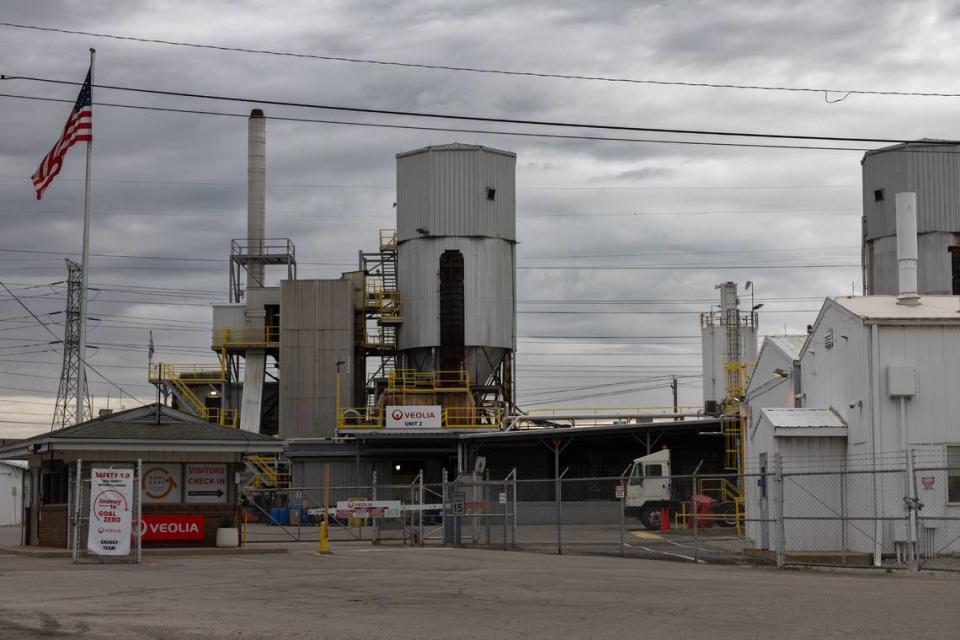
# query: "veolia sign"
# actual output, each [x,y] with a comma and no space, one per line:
[425,418]
[173,527]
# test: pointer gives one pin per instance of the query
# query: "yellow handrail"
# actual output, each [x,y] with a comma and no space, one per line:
[413,381]
[245,337]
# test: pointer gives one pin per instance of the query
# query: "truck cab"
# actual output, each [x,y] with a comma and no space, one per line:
[649,488]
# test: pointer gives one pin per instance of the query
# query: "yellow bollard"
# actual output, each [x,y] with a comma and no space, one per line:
[324,532]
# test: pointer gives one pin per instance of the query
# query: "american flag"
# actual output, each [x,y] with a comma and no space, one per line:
[79,128]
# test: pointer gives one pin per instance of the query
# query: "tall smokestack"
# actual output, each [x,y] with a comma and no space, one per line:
[256,194]
[907,247]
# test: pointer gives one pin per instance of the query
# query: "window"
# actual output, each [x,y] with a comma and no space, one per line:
[653,470]
[491,193]
[635,475]
[953,474]
[55,486]
[955,269]
[878,195]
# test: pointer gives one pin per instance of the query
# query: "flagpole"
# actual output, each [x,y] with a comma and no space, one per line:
[85,266]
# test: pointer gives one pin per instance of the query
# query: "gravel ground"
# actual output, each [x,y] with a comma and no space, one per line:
[370,592]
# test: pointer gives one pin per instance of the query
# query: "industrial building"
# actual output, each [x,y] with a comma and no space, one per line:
[11,491]
[389,367]
[869,391]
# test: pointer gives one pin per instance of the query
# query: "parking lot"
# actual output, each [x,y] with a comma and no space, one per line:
[365,591]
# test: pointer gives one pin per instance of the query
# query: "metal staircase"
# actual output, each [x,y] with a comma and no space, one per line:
[267,472]
[178,380]
[383,314]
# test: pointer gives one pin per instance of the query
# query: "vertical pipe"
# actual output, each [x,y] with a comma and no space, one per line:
[696,519]
[256,194]
[906,204]
[781,526]
[874,365]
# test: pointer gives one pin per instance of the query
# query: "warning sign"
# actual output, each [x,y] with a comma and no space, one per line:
[161,483]
[206,483]
[368,509]
[111,511]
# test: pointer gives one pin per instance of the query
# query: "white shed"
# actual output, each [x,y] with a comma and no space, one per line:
[11,490]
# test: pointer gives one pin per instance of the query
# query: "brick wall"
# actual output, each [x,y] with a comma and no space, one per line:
[214,515]
[53,526]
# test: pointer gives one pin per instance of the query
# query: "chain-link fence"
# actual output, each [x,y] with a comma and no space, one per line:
[884,517]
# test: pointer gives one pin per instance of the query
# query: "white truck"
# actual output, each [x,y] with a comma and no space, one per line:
[650,488]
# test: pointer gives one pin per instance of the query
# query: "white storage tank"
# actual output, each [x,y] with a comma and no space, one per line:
[931,169]
[456,274]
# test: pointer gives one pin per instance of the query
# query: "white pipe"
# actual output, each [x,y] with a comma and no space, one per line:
[256,194]
[907,247]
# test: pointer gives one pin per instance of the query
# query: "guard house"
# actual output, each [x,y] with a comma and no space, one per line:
[189,467]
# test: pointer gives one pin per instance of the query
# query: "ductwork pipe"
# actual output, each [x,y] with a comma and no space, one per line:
[907,247]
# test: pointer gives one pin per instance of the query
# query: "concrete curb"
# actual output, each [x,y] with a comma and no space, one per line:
[47,552]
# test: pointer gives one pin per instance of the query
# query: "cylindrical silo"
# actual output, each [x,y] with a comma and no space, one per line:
[456,273]
[931,170]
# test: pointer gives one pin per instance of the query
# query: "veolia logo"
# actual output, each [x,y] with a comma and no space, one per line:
[397,414]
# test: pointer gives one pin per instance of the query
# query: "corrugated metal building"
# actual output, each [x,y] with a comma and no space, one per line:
[316,332]
[864,354]
[932,171]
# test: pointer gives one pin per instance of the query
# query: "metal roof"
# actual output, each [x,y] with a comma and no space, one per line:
[932,309]
[570,432]
[790,345]
[456,146]
[823,423]
[141,427]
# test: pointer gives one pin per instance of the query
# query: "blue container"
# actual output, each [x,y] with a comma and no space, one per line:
[279,515]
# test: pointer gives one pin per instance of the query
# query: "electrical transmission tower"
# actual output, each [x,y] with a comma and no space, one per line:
[73,399]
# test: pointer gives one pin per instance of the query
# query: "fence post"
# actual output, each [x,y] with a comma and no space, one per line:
[77,510]
[781,528]
[443,507]
[514,536]
[373,496]
[696,518]
[139,510]
[914,523]
[556,495]
[623,495]
[420,523]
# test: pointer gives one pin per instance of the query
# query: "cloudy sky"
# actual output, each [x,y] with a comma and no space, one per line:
[169,192]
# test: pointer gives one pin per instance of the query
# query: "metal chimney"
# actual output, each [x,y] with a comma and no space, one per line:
[907,247]
[256,195]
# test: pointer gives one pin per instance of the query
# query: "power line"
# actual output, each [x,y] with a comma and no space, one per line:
[487,119]
[519,188]
[50,331]
[487,70]
[381,125]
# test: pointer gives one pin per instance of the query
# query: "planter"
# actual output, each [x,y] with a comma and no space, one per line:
[228,537]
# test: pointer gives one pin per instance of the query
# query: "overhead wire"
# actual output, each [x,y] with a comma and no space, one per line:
[485,119]
[82,360]
[494,71]
[518,134]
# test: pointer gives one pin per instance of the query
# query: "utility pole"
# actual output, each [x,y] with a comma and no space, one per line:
[673,387]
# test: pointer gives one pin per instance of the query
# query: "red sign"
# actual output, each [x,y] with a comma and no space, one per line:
[173,527]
